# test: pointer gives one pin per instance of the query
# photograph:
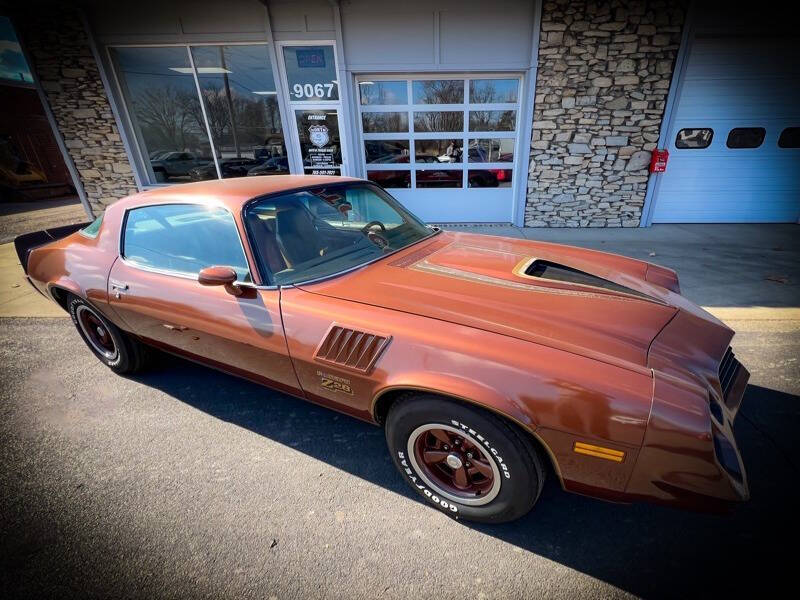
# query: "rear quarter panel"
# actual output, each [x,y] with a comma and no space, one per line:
[78,264]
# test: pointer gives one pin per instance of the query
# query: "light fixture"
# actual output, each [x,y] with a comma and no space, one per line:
[266,93]
[201,70]
[366,83]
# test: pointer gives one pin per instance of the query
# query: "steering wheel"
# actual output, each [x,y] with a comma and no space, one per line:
[371,224]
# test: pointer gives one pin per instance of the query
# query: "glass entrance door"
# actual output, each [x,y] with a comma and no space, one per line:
[312,90]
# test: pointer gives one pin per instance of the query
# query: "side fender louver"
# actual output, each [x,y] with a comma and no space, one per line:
[357,350]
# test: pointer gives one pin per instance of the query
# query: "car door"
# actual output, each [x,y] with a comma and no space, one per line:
[154,289]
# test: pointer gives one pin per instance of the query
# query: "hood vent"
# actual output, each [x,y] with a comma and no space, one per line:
[357,350]
[544,269]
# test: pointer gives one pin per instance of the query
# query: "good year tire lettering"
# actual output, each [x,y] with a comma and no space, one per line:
[443,504]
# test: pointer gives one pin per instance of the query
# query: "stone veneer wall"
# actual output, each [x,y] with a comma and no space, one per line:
[58,47]
[604,72]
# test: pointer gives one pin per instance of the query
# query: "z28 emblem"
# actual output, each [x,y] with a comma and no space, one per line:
[334,384]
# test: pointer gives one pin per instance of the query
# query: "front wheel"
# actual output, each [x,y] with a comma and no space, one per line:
[464,460]
[116,349]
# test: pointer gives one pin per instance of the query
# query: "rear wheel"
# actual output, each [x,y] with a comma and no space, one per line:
[119,351]
[464,460]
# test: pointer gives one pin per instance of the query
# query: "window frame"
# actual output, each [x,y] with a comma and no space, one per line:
[181,274]
[141,163]
[465,135]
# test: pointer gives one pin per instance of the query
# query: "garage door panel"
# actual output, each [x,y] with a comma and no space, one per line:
[746,207]
[738,99]
[751,173]
[733,83]
[444,145]
[733,57]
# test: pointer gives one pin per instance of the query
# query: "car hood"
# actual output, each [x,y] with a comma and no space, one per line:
[476,280]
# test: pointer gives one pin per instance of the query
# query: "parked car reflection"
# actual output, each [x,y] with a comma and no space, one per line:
[278,165]
[230,167]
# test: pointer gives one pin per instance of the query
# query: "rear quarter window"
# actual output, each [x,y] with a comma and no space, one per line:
[93,228]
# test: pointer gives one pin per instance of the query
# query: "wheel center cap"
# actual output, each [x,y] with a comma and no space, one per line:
[100,331]
[454,461]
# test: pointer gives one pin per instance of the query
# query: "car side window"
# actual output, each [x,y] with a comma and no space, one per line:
[184,239]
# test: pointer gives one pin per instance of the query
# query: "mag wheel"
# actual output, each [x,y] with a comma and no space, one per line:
[463,460]
[120,352]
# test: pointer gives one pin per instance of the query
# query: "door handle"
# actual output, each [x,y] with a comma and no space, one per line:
[118,287]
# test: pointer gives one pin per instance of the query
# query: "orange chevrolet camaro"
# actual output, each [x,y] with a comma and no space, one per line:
[489,361]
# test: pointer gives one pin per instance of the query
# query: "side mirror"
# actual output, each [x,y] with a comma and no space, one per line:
[219,276]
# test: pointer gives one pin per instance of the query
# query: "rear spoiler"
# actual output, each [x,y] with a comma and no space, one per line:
[28,241]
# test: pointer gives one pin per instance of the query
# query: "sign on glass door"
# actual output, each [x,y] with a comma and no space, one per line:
[320,144]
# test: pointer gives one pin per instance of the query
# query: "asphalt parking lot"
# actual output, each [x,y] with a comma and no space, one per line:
[184,482]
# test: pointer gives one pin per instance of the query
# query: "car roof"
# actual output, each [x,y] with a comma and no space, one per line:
[232,193]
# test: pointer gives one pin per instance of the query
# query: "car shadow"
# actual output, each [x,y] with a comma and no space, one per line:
[649,551]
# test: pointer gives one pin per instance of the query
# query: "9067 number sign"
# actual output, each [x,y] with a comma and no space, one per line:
[317,90]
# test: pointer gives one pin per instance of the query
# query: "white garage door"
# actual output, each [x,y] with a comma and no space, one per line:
[734,142]
[442,145]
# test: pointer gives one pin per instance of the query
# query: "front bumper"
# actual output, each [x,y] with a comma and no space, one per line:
[689,456]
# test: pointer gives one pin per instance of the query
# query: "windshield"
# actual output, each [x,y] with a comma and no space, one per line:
[313,233]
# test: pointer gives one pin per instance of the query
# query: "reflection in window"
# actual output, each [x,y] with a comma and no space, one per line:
[443,151]
[492,120]
[438,91]
[746,137]
[694,138]
[386,151]
[184,238]
[790,138]
[489,178]
[439,178]
[161,97]
[489,91]
[491,150]
[439,121]
[384,122]
[13,65]
[241,104]
[390,179]
[311,73]
[383,92]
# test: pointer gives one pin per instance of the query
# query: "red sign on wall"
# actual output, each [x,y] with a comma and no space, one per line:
[658,162]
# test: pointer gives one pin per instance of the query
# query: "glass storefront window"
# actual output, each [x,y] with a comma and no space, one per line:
[241,103]
[383,92]
[438,91]
[439,178]
[491,150]
[446,120]
[489,178]
[492,120]
[443,151]
[385,122]
[171,127]
[386,151]
[493,91]
[161,97]
[311,73]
